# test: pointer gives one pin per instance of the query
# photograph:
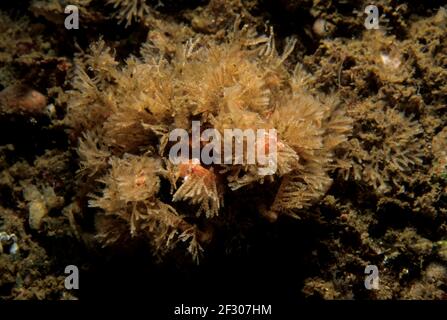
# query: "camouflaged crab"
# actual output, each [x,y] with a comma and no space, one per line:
[123,114]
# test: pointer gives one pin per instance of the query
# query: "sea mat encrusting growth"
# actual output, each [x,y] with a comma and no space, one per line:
[24,57]
[391,87]
[385,148]
[123,115]
[390,83]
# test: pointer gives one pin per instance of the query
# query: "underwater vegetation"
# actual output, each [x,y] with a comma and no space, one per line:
[129,10]
[360,178]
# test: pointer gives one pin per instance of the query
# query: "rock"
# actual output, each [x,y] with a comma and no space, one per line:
[19,98]
[37,210]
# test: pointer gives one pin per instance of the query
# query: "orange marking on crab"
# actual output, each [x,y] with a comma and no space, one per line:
[267,140]
[140,180]
[191,168]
